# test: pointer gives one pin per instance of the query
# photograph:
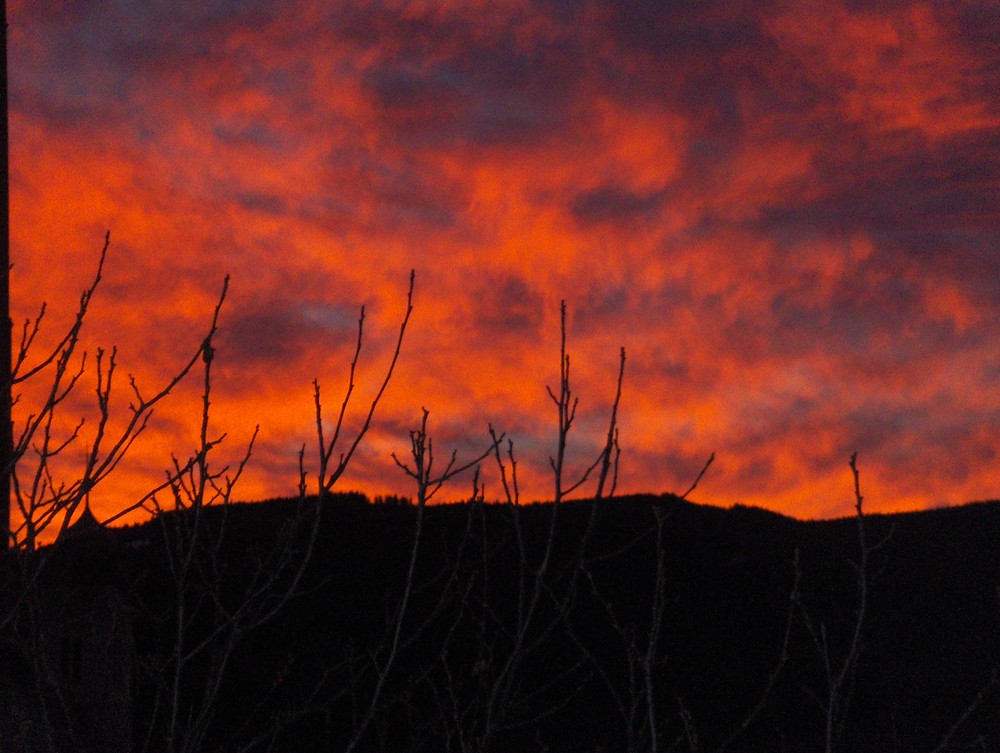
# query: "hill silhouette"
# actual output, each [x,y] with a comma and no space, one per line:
[701,626]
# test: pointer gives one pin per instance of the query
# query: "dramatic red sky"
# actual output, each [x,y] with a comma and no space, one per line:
[787,212]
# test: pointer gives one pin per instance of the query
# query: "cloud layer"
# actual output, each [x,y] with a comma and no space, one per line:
[786,212]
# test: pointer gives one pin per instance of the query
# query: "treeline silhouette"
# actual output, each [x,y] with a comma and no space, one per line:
[728,582]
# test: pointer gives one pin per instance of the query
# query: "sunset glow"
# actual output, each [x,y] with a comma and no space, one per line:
[786,212]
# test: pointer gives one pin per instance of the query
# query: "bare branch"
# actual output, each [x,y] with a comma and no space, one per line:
[701,473]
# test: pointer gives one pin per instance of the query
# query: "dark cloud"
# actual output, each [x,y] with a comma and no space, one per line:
[281,332]
[612,204]
[502,306]
[479,98]
[675,32]
[261,202]
[408,193]
[909,184]
[249,135]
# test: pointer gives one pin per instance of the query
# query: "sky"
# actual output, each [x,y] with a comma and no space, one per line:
[786,212]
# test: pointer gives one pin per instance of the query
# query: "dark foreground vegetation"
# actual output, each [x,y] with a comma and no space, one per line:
[639,623]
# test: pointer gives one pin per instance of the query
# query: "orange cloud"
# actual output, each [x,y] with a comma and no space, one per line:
[785,215]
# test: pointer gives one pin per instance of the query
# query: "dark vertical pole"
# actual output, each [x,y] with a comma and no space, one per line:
[6,429]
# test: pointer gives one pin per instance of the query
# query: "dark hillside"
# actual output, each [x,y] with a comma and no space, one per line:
[649,616]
